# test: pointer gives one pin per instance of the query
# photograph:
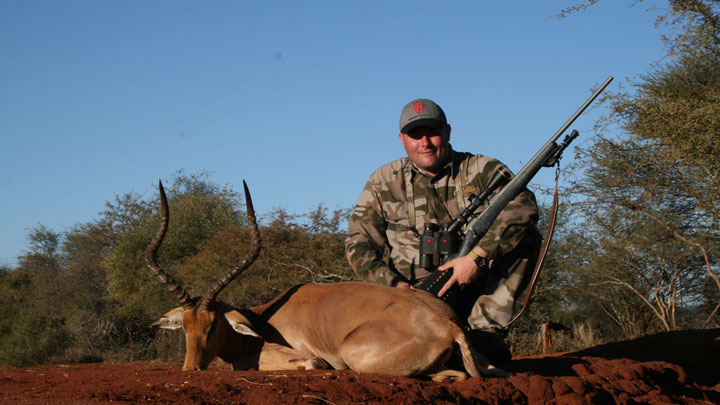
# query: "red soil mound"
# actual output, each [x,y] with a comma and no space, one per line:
[675,367]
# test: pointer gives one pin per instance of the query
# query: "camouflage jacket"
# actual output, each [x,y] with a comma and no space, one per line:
[382,246]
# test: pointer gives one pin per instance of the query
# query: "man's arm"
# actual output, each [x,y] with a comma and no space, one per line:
[511,226]
[366,244]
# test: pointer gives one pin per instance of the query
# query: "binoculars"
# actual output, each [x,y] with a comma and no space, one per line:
[436,244]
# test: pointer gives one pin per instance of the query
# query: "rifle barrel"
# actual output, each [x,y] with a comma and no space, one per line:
[551,142]
[480,225]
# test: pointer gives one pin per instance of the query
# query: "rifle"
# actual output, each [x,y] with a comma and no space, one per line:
[548,156]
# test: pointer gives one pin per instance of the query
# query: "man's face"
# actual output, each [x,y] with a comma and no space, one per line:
[427,147]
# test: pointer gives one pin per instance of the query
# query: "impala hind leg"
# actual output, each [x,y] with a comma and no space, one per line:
[476,363]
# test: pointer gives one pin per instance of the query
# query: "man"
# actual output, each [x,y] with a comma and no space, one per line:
[433,184]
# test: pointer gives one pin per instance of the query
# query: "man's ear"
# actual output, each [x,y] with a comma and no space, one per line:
[240,323]
[447,129]
[171,320]
[402,140]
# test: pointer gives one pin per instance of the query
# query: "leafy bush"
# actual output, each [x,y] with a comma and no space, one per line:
[32,339]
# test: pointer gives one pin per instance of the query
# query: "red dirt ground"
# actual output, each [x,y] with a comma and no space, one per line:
[675,367]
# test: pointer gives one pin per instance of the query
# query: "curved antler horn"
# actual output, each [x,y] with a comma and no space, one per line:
[243,264]
[151,256]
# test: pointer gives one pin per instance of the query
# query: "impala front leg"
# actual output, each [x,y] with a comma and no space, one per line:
[278,357]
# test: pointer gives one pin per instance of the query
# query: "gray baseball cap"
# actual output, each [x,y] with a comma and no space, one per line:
[421,112]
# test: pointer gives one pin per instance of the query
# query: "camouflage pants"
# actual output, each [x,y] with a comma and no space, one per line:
[487,303]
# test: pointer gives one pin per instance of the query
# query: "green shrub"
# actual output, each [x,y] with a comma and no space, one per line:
[32,339]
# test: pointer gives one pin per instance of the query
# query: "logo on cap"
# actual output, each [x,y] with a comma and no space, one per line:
[418,107]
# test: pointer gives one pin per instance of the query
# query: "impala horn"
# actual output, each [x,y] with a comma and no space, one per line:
[151,256]
[244,263]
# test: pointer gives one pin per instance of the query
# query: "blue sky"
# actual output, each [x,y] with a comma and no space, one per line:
[299,98]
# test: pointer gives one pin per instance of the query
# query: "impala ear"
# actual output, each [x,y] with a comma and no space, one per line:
[240,323]
[171,320]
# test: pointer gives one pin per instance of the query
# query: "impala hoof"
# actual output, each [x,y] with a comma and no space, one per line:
[320,364]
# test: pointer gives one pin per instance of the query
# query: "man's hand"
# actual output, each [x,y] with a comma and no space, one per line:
[465,271]
[403,284]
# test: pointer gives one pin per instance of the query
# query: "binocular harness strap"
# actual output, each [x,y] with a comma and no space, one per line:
[410,198]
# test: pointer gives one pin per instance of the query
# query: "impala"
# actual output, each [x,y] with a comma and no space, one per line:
[364,327]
